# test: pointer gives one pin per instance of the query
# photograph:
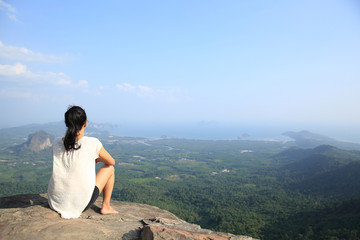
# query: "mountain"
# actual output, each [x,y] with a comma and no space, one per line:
[36,142]
[306,139]
[294,154]
[308,162]
[324,170]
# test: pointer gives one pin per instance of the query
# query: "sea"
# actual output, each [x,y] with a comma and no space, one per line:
[215,131]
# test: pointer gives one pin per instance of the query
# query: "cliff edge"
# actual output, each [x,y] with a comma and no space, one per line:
[29,217]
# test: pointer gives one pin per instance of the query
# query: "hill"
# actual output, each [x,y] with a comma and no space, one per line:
[306,139]
[294,154]
[325,170]
[36,142]
[310,162]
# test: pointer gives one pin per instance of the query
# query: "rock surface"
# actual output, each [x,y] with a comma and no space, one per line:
[36,142]
[29,217]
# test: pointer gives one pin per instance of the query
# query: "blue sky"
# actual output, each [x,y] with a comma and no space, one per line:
[165,62]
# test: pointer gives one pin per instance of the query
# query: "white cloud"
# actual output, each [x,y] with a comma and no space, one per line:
[83,83]
[140,90]
[64,82]
[14,18]
[10,10]
[10,70]
[169,95]
[127,87]
[18,73]
[6,7]
[144,91]
[24,54]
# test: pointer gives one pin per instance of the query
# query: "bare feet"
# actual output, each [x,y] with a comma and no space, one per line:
[108,210]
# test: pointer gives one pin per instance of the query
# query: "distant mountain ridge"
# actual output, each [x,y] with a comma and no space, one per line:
[321,158]
[302,139]
[57,129]
[306,139]
[324,170]
[294,154]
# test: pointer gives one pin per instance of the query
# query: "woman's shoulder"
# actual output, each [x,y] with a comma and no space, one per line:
[91,142]
[90,139]
[87,138]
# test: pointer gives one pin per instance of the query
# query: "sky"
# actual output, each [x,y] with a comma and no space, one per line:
[281,62]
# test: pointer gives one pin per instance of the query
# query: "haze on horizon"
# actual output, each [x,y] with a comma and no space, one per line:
[278,63]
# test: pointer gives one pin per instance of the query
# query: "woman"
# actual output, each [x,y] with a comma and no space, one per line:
[74,187]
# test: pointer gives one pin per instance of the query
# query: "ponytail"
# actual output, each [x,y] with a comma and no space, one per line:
[75,118]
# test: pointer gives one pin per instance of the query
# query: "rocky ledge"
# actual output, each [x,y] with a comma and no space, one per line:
[29,217]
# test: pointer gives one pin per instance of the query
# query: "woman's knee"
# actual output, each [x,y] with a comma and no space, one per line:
[110,168]
[105,173]
[106,170]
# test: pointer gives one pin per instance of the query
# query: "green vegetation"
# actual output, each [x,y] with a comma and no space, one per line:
[261,189]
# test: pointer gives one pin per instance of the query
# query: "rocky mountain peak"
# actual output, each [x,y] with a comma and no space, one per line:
[36,142]
[39,141]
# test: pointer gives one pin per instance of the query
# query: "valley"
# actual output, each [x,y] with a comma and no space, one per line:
[263,189]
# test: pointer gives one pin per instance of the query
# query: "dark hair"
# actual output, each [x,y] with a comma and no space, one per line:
[75,118]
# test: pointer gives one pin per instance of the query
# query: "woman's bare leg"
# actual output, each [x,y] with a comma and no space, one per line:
[105,179]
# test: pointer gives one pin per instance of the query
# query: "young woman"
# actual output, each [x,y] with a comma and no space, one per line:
[74,186]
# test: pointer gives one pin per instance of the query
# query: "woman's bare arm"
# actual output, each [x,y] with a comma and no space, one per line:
[105,157]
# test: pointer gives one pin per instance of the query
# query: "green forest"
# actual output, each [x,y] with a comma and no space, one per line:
[262,189]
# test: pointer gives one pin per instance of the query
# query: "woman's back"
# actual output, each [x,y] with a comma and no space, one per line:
[73,179]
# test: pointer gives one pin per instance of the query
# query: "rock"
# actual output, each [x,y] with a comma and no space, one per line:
[29,217]
[162,228]
[36,142]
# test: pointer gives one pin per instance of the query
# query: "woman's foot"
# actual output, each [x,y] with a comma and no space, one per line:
[108,210]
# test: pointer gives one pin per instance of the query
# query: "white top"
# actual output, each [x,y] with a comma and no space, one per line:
[73,178]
